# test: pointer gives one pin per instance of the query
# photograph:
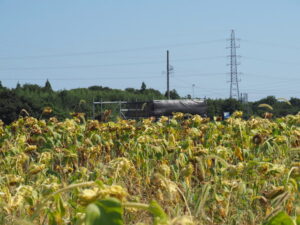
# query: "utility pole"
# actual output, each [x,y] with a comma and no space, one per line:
[193,86]
[93,109]
[168,76]
[234,81]
[244,100]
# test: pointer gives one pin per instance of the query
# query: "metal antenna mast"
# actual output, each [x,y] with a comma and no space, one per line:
[234,81]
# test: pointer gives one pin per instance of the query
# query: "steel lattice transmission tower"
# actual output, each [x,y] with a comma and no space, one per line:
[234,81]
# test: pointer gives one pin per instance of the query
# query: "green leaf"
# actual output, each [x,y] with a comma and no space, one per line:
[281,218]
[159,216]
[99,183]
[106,211]
[60,206]
[298,220]
[52,220]
[29,200]
[93,214]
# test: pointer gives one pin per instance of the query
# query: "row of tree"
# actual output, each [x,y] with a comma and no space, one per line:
[32,99]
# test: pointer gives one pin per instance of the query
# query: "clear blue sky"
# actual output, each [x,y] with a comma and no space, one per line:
[119,44]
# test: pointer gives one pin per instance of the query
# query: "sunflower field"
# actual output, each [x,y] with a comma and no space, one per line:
[184,170]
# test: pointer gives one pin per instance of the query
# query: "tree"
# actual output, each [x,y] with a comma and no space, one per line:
[214,107]
[95,88]
[18,86]
[173,94]
[231,105]
[2,88]
[143,87]
[270,100]
[47,86]
[11,105]
[32,88]
[295,102]
[131,90]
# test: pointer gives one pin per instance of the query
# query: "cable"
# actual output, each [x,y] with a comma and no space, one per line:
[78,66]
[272,61]
[265,76]
[99,78]
[271,44]
[190,86]
[78,79]
[248,90]
[201,58]
[108,51]
[103,65]
[196,75]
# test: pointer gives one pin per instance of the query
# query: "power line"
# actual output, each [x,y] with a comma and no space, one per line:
[99,78]
[108,51]
[283,78]
[271,61]
[138,63]
[188,85]
[103,65]
[265,86]
[199,58]
[78,79]
[277,86]
[78,66]
[278,45]
[186,74]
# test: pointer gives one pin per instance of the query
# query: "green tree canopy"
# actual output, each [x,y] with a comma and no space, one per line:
[48,86]
[143,87]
